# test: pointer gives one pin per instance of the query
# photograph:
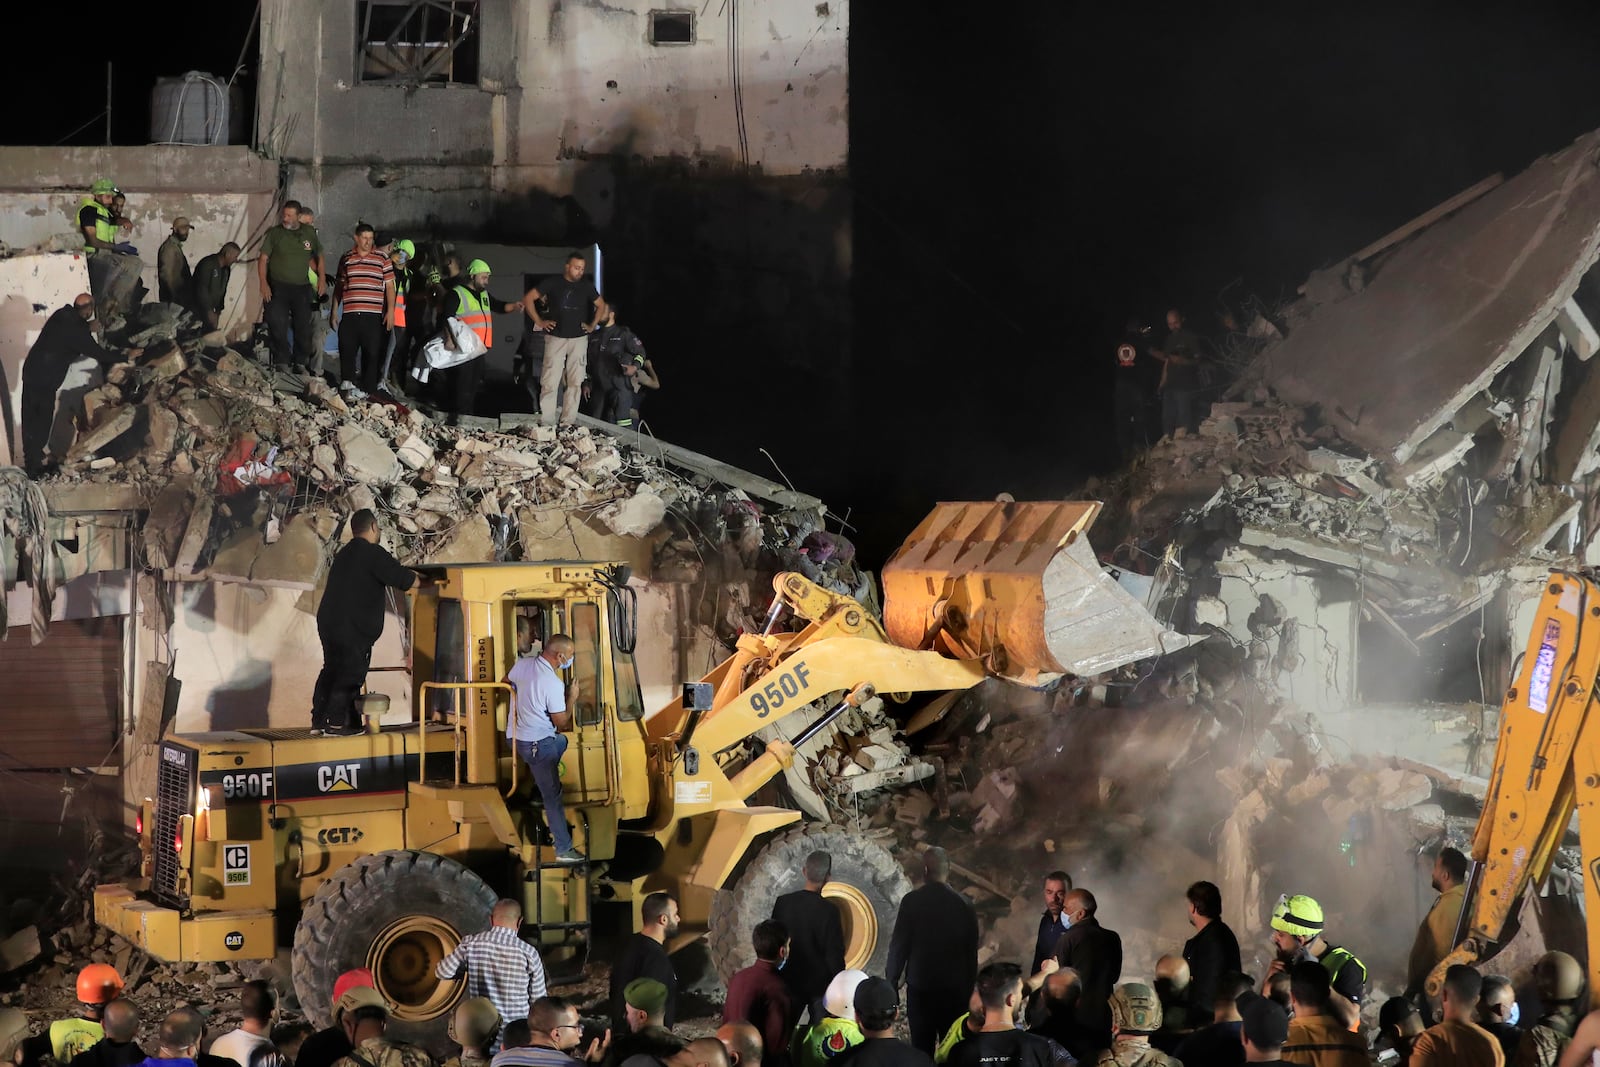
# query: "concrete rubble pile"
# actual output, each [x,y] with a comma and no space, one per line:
[248,475]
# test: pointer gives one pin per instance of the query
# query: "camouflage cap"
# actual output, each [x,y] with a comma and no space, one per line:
[476,1021]
[359,997]
[1135,1008]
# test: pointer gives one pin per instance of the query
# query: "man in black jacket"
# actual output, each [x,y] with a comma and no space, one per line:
[1096,954]
[935,946]
[65,340]
[350,621]
[816,936]
[645,956]
[1211,953]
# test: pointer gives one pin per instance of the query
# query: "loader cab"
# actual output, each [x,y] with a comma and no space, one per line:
[466,630]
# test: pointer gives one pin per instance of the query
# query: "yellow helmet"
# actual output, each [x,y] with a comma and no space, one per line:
[1299,915]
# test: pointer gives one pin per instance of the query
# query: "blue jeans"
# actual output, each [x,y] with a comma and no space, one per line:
[543,759]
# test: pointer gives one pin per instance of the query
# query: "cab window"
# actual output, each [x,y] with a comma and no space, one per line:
[586,661]
[630,701]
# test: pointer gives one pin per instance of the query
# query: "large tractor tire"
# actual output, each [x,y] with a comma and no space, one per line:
[397,914]
[866,887]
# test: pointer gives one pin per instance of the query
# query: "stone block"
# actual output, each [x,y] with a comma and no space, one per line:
[414,452]
[598,466]
[367,458]
[637,516]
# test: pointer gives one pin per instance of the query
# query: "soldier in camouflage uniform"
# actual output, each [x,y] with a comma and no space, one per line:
[365,1014]
[474,1026]
[1135,1015]
[1559,980]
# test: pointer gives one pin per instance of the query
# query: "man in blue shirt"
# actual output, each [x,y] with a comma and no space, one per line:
[539,711]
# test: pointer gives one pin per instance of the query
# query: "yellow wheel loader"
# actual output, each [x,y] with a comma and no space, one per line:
[383,849]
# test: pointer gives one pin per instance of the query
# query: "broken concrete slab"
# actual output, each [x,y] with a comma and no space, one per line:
[165,524]
[414,452]
[115,425]
[367,458]
[1391,368]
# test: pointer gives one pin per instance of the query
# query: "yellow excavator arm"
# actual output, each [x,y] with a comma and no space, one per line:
[1547,764]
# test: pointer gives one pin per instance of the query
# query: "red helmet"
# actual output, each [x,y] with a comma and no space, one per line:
[98,983]
[360,978]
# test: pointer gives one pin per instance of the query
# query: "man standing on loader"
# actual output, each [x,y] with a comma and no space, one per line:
[350,621]
[541,709]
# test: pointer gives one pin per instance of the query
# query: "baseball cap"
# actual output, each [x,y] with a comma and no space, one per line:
[1266,1024]
[359,997]
[876,996]
[645,994]
[349,980]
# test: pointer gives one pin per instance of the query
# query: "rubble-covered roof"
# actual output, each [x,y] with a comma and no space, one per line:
[1446,311]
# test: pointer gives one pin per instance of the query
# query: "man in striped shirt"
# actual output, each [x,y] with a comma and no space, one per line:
[364,293]
[498,965]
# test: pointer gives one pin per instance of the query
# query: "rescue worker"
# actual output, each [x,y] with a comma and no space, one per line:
[1436,936]
[174,281]
[401,254]
[350,621]
[616,355]
[1297,935]
[1559,980]
[1135,1015]
[114,266]
[64,362]
[1180,355]
[289,271]
[970,1022]
[98,985]
[211,284]
[1318,1037]
[833,1032]
[576,308]
[474,1025]
[474,306]
[366,1016]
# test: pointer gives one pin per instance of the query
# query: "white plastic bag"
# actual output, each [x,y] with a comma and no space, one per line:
[438,355]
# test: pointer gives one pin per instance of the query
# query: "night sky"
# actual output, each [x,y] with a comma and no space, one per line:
[1029,174]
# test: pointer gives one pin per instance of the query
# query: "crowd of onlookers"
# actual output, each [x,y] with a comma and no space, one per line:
[799,1005]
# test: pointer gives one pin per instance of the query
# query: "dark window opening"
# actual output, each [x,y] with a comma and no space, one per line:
[672,27]
[417,42]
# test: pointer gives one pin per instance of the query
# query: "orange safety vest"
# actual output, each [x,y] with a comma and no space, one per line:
[475,313]
[399,309]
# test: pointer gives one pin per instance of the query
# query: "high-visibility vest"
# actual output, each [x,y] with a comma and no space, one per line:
[105,228]
[399,299]
[475,313]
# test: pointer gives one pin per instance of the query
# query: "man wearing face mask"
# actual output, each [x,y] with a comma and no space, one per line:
[1096,954]
[541,709]
[757,995]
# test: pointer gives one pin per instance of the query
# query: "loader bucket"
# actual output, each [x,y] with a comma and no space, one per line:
[1017,585]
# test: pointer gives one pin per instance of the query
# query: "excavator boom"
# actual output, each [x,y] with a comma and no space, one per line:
[1547,763]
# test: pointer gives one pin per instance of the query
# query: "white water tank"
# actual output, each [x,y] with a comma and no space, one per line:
[192,109]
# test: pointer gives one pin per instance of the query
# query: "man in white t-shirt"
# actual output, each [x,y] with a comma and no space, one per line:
[540,710]
[251,1044]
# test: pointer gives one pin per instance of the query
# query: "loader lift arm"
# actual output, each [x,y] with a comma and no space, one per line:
[1546,765]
